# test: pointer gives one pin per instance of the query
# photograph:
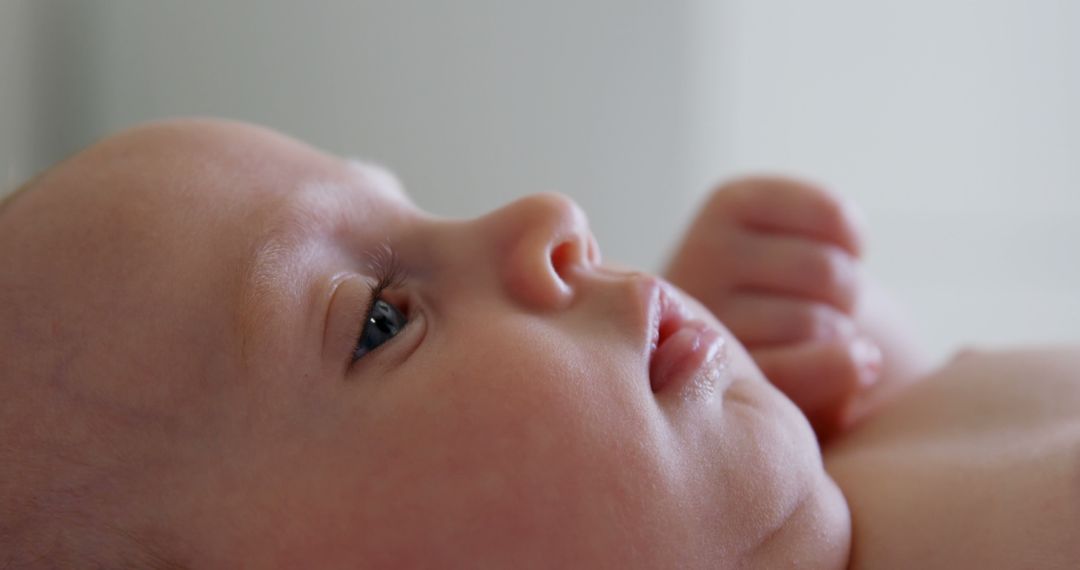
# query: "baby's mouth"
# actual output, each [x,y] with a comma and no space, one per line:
[687,355]
[667,319]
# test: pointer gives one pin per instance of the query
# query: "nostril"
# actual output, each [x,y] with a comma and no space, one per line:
[566,255]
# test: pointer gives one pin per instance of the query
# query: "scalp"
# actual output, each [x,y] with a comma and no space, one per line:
[76,243]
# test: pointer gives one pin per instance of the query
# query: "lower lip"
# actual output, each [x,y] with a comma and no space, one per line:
[690,363]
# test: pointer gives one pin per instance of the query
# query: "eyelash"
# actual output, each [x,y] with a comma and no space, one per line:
[386,267]
[388,273]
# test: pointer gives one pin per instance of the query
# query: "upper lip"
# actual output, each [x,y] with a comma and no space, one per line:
[658,312]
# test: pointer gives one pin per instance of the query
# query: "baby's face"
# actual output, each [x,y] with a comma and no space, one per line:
[196,297]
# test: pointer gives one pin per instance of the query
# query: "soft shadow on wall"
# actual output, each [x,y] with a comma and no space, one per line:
[47,66]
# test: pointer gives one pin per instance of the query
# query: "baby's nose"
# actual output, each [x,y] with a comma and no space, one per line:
[539,242]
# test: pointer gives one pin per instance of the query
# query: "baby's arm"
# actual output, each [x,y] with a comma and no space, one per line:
[777,261]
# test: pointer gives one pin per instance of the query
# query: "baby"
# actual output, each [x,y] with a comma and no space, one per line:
[220,348]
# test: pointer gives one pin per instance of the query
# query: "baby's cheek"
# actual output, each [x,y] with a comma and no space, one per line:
[546,445]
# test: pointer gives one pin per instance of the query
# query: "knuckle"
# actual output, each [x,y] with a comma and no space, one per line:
[748,193]
[842,359]
[825,203]
[830,204]
[837,368]
[844,212]
[817,268]
[830,270]
[843,217]
[725,200]
[806,321]
[820,322]
[827,323]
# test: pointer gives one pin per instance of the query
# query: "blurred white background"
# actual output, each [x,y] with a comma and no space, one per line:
[954,123]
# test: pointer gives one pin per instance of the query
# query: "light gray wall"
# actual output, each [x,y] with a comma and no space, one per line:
[14,94]
[952,122]
[472,103]
[46,76]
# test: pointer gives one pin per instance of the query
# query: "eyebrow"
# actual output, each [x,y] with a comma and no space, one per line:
[273,277]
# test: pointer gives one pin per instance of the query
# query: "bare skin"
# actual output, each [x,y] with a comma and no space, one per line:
[777,260]
[973,465]
[137,413]
[976,466]
[183,318]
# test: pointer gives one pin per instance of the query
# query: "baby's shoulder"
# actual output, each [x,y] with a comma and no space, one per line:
[977,466]
[1032,388]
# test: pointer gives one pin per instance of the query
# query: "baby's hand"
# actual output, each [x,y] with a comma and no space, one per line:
[777,261]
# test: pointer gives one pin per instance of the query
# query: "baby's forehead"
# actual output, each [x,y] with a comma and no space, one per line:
[116,224]
[208,161]
[154,191]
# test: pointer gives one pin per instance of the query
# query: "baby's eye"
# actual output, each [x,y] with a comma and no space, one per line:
[383,322]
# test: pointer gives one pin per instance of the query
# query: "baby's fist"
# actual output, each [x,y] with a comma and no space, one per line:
[777,261]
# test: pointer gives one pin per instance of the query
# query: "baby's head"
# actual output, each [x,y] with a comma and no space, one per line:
[193,370]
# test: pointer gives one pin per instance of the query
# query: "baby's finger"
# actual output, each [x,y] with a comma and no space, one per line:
[784,205]
[795,266]
[760,320]
[822,378]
